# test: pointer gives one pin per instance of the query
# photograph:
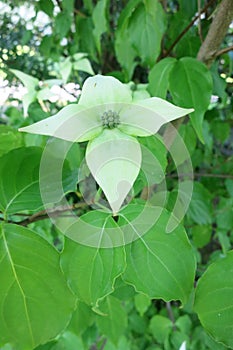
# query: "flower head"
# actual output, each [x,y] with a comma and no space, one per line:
[108,118]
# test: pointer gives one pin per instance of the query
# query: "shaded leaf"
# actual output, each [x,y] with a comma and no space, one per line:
[191,86]
[114,323]
[200,206]
[100,26]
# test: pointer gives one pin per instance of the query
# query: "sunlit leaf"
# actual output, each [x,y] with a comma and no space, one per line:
[214,300]
[35,302]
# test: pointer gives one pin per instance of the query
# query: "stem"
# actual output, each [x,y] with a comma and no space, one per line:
[216,33]
[170,314]
[188,27]
[225,50]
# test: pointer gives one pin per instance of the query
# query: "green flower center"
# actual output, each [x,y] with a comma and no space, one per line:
[110,119]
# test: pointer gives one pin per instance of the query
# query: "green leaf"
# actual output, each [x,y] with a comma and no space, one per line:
[142,302]
[229,186]
[160,265]
[114,160]
[91,271]
[47,7]
[201,235]
[84,32]
[82,318]
[219,84]
[20,191]
[184,323]
[147,42]
[114,323]
[68,6]
[154,158]
[30,83]
[188,134]
[200,206]
[214,300]
[82,64]
[62,23]
[160,327]
[100,26]
[68,341]
[220,129]
[159,77]
[124,51]
[35,302]
[224,213]
[65,68]
[9,139]
[193,88]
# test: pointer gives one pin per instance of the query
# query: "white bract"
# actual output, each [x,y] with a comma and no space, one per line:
[107,117]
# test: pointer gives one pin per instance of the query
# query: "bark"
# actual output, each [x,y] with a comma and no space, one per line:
[216,33]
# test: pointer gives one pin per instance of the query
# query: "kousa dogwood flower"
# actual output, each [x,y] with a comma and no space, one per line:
[109,119]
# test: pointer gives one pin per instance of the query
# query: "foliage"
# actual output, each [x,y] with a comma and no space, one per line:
[164,288]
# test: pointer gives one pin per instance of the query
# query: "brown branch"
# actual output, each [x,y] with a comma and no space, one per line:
[218,176]
[81,14]
[225,50]
[216,33]
[186,29]
[45,214]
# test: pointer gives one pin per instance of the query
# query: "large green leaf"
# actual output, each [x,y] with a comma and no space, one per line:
[159,77]
[124,51]
[20,183]
[35,302]
[19,180]
[159,264]
[92,270]
[191,86]
[214,300]
[147,42]
[101,26]
[9,139]
[114,322]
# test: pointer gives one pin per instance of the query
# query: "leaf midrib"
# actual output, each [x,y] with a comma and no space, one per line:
[19,285]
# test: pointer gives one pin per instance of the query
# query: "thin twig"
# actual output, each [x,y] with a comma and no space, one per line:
[45,214]
[218,176]
[170,314]
[186,29]
[77,12]
[199,22]
[225,50]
